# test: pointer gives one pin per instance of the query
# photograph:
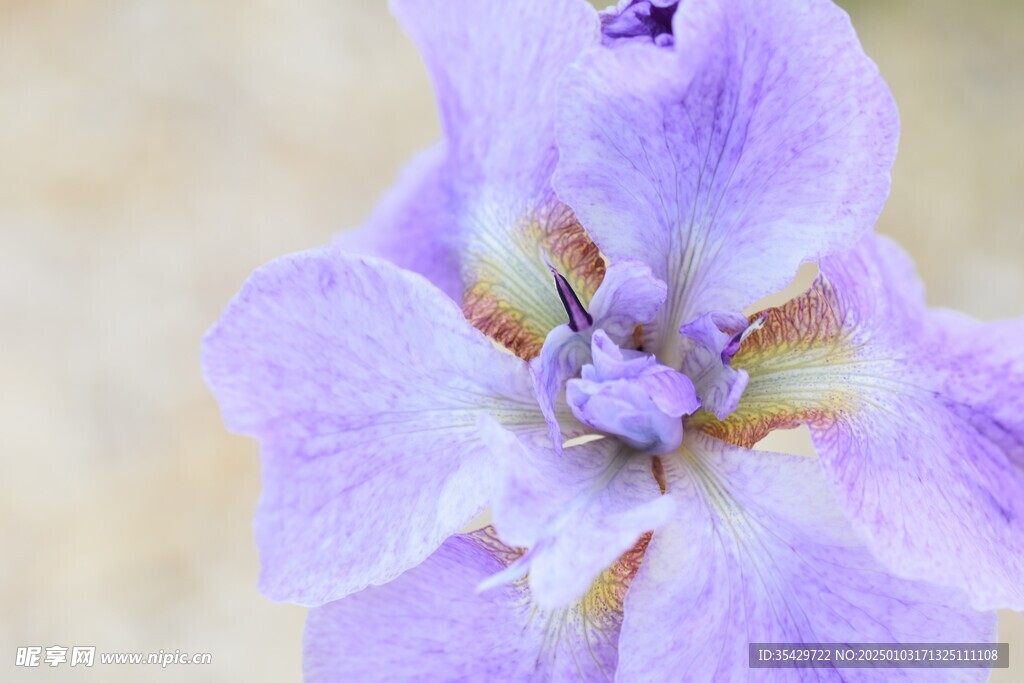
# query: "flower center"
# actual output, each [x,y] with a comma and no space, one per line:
[624,392]
[631,395]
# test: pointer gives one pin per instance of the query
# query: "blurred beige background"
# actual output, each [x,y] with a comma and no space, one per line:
[153,152]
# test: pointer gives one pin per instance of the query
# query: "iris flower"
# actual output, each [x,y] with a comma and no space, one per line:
[545,317]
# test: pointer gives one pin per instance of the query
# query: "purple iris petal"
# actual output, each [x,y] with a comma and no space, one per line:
[480,212]
[709,342]
[577,511]
[368,422]
[431,624]
[629,394]
[629,296]
[928,457]
[764,138]
[760,552]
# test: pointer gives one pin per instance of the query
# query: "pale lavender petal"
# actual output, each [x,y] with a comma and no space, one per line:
[628,394]
[495,66]
[628,296]
[762,139]
[916,416]
[980,368]
[611,362]
[576,512]
[939,499]
[759,552]
[412,224]
[927,456]
[625,410]
[563,354]
[430,624]
[706,349]
[364,384]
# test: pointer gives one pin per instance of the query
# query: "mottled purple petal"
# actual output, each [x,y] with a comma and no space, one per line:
[467,46]
[916,414]
[763,139]
[980,375]
[706,347]
[430,624]
[576,512]
[759,552]
[364,384]
[495,66]
[412,224]
[929,457]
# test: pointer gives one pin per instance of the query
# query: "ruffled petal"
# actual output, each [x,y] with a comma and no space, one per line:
[563,354]
[576,512]
[629,295]
[916,414]
[629,394]
[707,351]
[758,551]
[364,384]
[431,624]
[764,138]
[980,373]
[494,67]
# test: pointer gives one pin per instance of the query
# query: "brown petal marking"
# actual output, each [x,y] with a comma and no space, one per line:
[807,331]
[493,307]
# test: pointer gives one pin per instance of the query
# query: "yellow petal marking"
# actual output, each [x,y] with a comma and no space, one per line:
[805,368]
[510,295]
